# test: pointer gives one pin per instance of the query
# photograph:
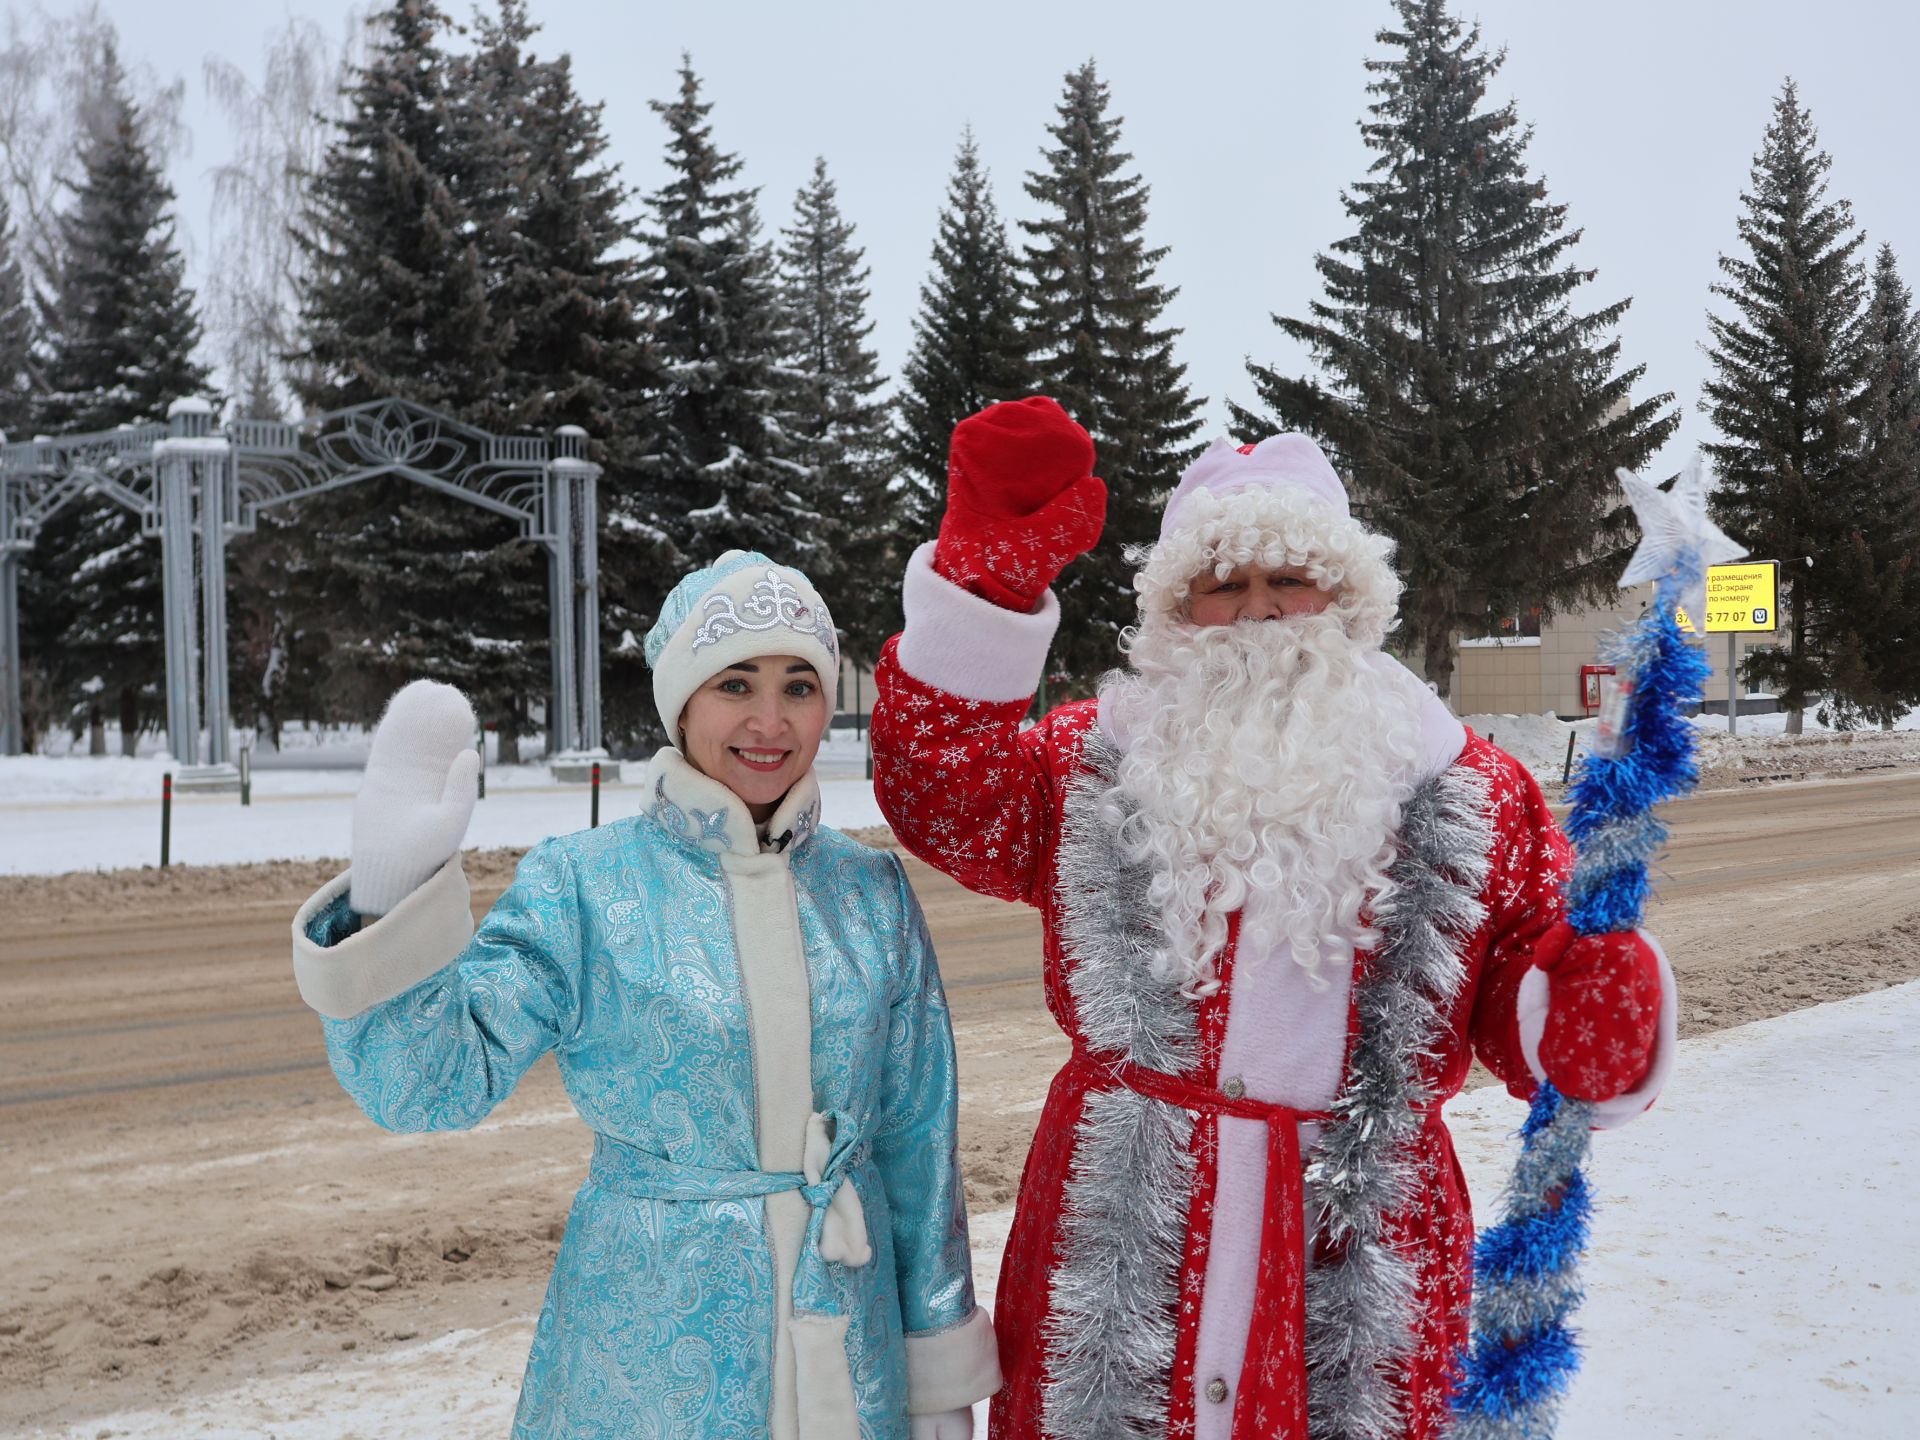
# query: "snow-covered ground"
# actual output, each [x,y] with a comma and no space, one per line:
[77,812]
[1752,1274]
[1540,741]
[62,813]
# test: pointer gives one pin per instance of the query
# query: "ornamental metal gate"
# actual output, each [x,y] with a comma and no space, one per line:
[195,486]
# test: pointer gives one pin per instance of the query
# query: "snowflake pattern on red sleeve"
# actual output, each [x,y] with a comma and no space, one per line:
[964,786]
[1525,896]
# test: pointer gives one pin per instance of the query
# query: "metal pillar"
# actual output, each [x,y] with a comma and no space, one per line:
[586,511]
[563,723]
[174,479]
[213,602]
[1733,684]
[12,720]
[573,585]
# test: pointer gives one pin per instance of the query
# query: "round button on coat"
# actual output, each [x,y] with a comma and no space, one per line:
[1234,1087]
[1217,1390]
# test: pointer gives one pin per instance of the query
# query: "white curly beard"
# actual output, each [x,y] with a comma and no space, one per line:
[1265,756]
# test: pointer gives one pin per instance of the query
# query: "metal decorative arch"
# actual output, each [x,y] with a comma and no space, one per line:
[191,484]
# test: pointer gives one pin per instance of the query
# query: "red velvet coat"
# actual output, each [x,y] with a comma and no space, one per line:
[990,804]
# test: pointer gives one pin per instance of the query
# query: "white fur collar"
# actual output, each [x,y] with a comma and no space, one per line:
[1442,737]
[700,811]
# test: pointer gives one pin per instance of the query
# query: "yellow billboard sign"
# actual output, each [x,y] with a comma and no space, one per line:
[1744,597]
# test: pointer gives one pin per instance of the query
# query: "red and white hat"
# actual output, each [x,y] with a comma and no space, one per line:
[1277,503]
[1290,460]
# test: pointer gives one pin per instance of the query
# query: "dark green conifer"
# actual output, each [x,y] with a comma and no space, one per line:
[1477,415]
[120,332]
[968,348]
[1093,320]
[1788,395]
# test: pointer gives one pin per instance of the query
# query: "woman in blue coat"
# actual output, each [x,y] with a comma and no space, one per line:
[744,1005]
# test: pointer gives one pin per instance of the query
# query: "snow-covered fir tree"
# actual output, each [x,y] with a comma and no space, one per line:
[969,350]
[411,582]
[563,278]
[1787,394]
[1092,312]
[119,331]
[839,426]
[16,335]
[1478,414]
[720,452]
[1876,670]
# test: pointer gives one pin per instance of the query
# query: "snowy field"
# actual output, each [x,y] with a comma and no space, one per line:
[65,813]
[1753,1275]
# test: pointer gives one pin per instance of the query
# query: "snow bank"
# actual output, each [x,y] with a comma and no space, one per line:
[1538,742]
[304,815]
[1751,1276]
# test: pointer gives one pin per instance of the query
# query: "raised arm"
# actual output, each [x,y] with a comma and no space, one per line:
[427,1024]
[963,787]
[445,1025]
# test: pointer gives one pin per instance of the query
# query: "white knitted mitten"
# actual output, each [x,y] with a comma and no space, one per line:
[421,782]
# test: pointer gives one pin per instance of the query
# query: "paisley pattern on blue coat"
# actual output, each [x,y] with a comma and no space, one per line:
[615,949]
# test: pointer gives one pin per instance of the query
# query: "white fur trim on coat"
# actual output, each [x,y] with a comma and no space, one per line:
[957,642]
[1531,1011]
[386,957]
[826,1405]
[952,1368]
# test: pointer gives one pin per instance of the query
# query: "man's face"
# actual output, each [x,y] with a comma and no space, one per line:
[1253,592]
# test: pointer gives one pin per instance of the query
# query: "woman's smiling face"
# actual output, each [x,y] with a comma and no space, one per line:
[756,727]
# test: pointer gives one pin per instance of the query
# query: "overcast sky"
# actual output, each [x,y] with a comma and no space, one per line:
[1240,116]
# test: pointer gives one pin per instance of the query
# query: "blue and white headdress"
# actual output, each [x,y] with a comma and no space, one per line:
[739,608]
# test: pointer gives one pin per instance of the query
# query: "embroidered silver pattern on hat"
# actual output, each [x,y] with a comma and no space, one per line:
[772,604]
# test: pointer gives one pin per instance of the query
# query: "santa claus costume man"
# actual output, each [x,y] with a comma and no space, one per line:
[1287,899]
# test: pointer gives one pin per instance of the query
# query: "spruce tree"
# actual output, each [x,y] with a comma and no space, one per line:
[1092,313]
[563,287]
[1788,394]
[719,442]
[838,425]
[1477,414]
[1876,671]
[410,582]
[120,332]
[16,335]
[968,348]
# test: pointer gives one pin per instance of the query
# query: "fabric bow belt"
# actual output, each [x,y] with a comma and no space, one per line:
[1271,1398]
[836,1234]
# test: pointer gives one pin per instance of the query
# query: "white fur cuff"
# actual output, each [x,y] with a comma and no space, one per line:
[425,932]
[953,1368]
[957,642]
[1531,1011]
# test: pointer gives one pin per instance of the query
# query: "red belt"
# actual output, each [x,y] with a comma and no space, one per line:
[1271,1397]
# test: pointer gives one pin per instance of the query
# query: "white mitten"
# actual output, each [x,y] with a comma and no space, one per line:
[947,1425]
[421,782]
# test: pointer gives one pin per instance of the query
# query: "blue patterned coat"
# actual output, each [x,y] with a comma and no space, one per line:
[758,1037]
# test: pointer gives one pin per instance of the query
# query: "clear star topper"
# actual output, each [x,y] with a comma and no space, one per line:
[1677,539]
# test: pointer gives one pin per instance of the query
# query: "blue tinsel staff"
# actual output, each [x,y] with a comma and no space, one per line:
[1523,1352]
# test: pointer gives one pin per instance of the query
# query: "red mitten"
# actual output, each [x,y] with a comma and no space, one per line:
[1022,501]
[1603,1011]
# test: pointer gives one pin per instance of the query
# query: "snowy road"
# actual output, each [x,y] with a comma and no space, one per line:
[1753,1275]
